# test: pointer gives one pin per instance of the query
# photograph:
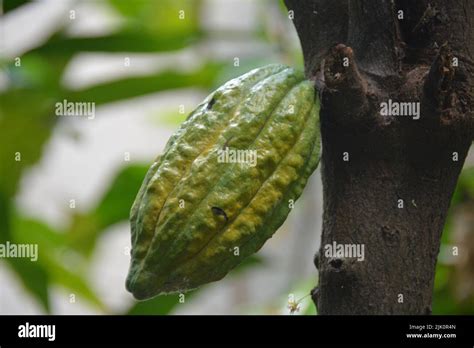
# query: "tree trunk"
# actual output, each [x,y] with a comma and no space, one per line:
[388,179]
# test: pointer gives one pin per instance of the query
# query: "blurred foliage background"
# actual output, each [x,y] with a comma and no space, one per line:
[175,51]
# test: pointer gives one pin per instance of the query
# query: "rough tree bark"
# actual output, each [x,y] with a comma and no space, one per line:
[405,51]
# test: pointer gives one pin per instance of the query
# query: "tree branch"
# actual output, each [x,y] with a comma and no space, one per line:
[344,89]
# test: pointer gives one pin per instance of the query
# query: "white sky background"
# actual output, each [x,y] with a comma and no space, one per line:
[82,166]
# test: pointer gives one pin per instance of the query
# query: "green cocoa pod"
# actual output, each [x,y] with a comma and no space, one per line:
[225,181]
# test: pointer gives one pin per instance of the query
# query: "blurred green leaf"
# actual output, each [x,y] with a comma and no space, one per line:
[83,232]
[464,190]
[137,86]
[466,182]
[444,299]
[34,277]
[36,72]
[113,207]
[465,186]
[4,217]
[34,231]
[161,18]
[118,199]
[126,41]
[26,121]
[443,302]
[51,259]
[441,276]
[10,5]
[74,280]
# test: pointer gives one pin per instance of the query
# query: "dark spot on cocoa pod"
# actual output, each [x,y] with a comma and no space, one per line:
[219,212]
[211,103]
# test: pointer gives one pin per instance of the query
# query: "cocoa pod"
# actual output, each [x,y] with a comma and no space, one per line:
[199,211]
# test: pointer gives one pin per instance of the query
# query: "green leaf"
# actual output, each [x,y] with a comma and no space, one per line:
[125,41]
[73,280]
[26,121]
[51,258]
[29,231]
[118,199]
[83,232]
[37,72]
[34,277]
[10,5]
[4,217]
[113,207]
[137,86]
[466,182]
[161,18]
